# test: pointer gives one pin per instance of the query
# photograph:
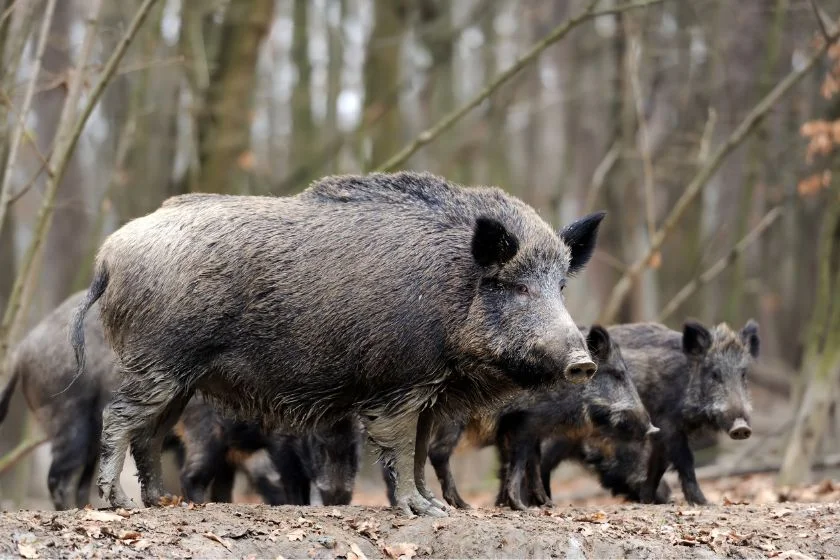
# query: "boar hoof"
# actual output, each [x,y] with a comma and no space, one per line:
[418,505]
[458,502]
[116,497]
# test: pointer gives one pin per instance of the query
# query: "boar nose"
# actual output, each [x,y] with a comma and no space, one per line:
[740,429]
[336,497]
[580,371]
[652,430]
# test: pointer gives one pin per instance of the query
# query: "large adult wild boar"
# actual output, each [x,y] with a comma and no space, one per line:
[396,297]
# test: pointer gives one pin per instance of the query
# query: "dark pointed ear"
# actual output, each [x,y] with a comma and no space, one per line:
[598,343]
[749,334]
[696,338]
[581,236]
[492,243]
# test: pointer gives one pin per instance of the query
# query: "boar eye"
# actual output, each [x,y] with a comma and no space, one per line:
[716,375]
[562,285]
[521,289]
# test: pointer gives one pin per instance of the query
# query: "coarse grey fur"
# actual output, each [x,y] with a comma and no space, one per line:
[690,382]
[394,296]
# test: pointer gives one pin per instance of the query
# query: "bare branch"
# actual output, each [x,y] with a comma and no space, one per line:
[695,187]
[644,138]
[14,456]
[599,176]
[429,135]
[65,144]
[17,134]
[820,21]
[721,264]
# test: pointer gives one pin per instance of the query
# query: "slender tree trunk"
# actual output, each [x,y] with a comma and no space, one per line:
[224,128]
[821,366]
[381,75]
[303,125]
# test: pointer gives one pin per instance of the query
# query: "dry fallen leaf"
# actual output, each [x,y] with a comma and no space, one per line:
[334,513]
[401,550]
[142,544]
[27,550]
[104,516]
[597,517]
[218,539]
[728,502]
[689,512]
[296,535]
[123,512]
[355,553]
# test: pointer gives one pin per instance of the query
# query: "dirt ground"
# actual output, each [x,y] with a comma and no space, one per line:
[749,521]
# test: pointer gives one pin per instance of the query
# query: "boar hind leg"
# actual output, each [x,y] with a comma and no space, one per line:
[421,452]
[85,482]
[72,446]
[147,446]
[396,437]
[534,484]
[142,411]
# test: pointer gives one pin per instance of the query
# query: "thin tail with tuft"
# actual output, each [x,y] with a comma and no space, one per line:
[77,325]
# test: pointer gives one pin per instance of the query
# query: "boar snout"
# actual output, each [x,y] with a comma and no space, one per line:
[740,429]
[580,371]
[335,496]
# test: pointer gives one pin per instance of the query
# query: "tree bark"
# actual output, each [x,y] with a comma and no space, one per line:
[224,128]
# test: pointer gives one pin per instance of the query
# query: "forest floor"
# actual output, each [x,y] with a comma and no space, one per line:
[749,520]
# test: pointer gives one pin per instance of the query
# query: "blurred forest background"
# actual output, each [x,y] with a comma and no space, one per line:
[706,129]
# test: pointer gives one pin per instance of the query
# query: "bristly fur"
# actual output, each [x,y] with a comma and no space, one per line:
[359,295]
[691,382]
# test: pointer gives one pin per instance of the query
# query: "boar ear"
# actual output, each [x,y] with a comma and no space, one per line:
[581,236]
[696,338]
[598,343]
[492,243]
[749,334]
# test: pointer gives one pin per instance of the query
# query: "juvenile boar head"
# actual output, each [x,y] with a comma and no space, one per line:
[333,457]
[519,313]
[611,399]
[719,361]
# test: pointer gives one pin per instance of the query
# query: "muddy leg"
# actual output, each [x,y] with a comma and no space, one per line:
[396,437]
[421,452]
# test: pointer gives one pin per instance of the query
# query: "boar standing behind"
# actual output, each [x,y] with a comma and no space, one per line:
[396,297]
[691,382]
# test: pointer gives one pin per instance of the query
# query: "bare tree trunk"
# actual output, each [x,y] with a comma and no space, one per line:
[821,366]
[224,128]
[303,126]
[382,74]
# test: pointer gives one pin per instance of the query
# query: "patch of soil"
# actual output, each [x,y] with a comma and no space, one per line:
[786,530]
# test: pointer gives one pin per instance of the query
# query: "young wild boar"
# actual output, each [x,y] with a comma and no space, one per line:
[621,466]
[281,467]
[397,297]
[608,404]
[691,382]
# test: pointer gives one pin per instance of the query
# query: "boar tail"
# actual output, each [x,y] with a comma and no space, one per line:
[6,395]
[77,325]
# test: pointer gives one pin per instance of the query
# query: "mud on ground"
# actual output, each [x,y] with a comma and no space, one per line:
[782,530]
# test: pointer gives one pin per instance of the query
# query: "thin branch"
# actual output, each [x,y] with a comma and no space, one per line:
[14,456]
[750,122]
[644,137]
[820,21]
[721,264]
[5,184]
[62,152]
[8,12]
[33,144]
[706,139]
[429,135]
[29,184]
[599,176]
